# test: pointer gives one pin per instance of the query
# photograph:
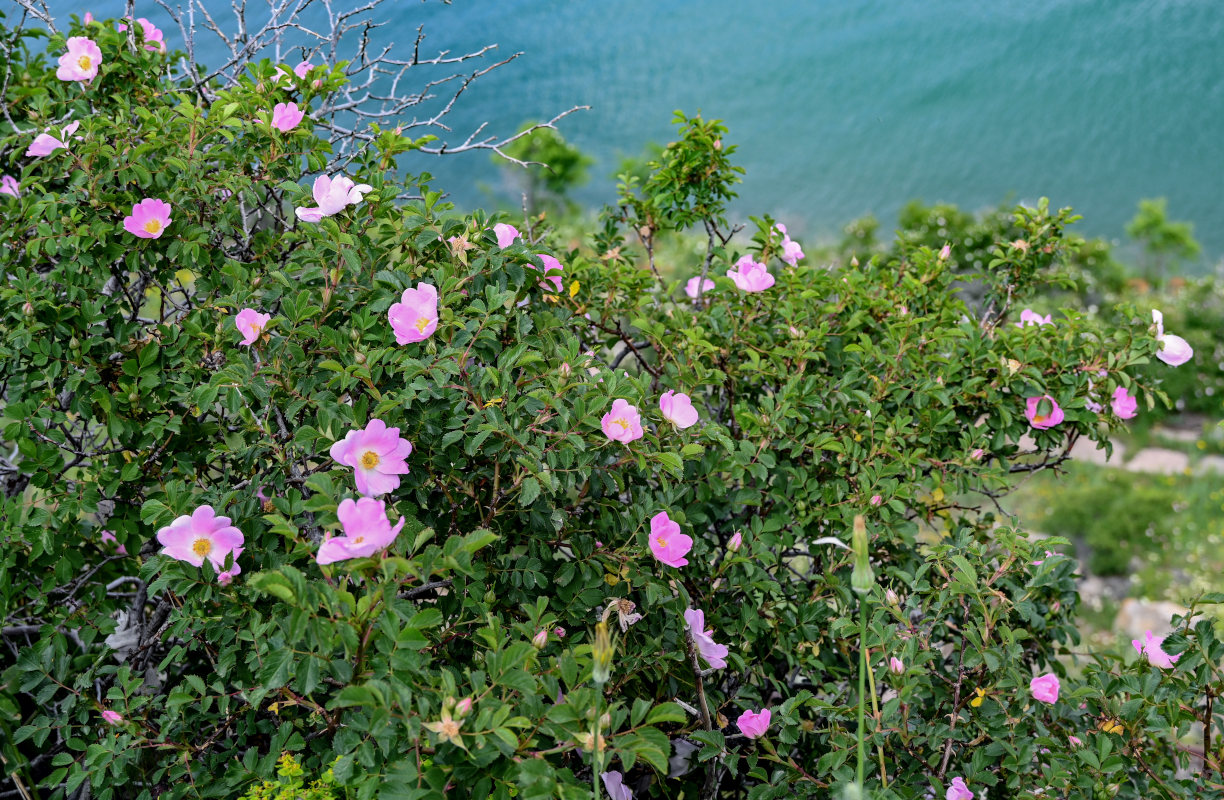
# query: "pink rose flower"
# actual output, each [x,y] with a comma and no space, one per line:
[1151,647]
[667,543]
[303,69]
[1124,404]
[1075,741]
[506,234]
[896,666]
[678,409]
[415,317]
[614,785]
[9,185]
[690,288]
[552,272]
[333,195]
[623,423]
[559,632]
[112,717]
[753,723]
[1041,561]
[1174,350]
[199,536]
[155,41]
[88,18]
[750,276]
[250,323]
[1029,317]
[977,454]
[226,577]
[377,454]
[286,116]
[366,531]
[45,144]
[149,218]
[736,542]
[1039,419]
[1045,688]
[108,537]
[714,654]
[958,790]
[791,251]
[81,62]
[876,499]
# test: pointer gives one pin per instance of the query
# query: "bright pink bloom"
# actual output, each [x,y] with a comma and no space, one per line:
[736,542]
[1029,317]
[750,276]
[286,116]
[623,423]
[1174,350]
[714,654]
[415,317]
[958,790]
[303,69]
[149,218]
[377,454]
[45,144]
[614,785]
[112,717]
[667,543]
[678,409]
[1151,647]
[690,288]
[1045,688]
[1124,404]
[366,531]
[81,62]
[1042,420]
[9,185]
[154,40]
[552,272]
[250,323]
[506,234]
[559,632]
[333,195]
[199,536]
[108,537]
[896,666]
[753,723]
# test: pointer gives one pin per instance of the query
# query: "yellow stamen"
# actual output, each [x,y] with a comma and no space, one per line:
[201,547]
[423,323]
[369,459]
[153,226]
[624,423]
[661,541]
[84,62]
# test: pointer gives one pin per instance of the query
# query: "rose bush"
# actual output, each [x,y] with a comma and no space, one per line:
[560,443]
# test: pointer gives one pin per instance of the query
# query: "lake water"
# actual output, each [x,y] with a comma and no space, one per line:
[843,109]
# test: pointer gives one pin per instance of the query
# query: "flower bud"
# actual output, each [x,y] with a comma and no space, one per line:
[540,639]
[876,500]
[559,632]
[601,652]
[737,541]
[463,707]
[862,578]
[891,598]
[28,309]
[945,252]
[896,666]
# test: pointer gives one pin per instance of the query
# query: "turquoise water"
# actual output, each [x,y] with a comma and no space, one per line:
[844,109]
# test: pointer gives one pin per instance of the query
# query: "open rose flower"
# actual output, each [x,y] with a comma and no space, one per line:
[1042,412]
[753,723]
[714,654]
[286,116]
[333,195]
[9,185]
[415,317]
[1045,688]
[1029,317]
[149,218]
[1151,646]
[366,531]
[155,41]
[667,543]
[1174,350]
[678,409]
[81,62]
[750,276]
[108,537]
[552,272]
[623,423]
[202,535]
[791,251]
[690,288]
[45,144]
[377,454]
[250,323]
[958,790]
[506,234]
[1124,403]
[615,787]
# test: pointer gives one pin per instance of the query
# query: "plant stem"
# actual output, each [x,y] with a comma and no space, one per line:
[862,698]
[596,752]
[875,712]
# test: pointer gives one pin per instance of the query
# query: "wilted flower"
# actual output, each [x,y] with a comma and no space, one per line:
[333,195]
[377,454]
[250,323]
[750,276]
[614,785]
[1124,404]
[286,116]
[506,234]
[690,288]
[714,654]
[155,41]
[201,535]
[667,543]
[626,612]
[81,62]
[678,409]
[149,218]
[415,317]
[623,423]
[9,185]
[366,531]
[753,723]
[1174,350]
[1029,317]
[447,728]
[45,144]
[1045,688]
[1151,647]
[1043,412]
[112,717]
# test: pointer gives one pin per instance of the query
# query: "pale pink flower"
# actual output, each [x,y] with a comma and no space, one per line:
[791,251]
[958,790]
[667,543]
[333,195]
[108,537]
[623,423]
[678,409]
[1151,647]
[9,185]
[377,454]
[1045,688]
[1174,350]
[303,69]
[1124,403]
[155,41]
[750,276]
[112,717]
[286,116]
[415,317]
[736,542]
[45,144]
[149,218]
[714,654]
[1039,420]
[1029,317]
[199,536]
[690,288]
[614,785]
[552,272]
[896,666]
[81,62]
[753,723]
[250,323]
[506,234]
[366,531]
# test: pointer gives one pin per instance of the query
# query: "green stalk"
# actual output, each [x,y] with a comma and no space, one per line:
[596,754]
[862,698]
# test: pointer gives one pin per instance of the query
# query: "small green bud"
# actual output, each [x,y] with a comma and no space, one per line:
[862,578]
[601,650]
